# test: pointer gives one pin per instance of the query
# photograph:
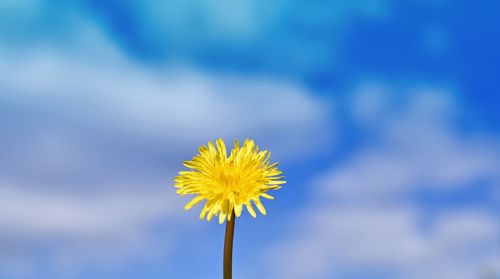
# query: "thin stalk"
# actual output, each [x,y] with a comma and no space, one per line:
[228,248]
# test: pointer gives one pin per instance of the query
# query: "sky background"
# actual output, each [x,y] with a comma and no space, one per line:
[383,114]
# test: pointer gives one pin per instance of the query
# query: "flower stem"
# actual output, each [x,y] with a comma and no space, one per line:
[228,248]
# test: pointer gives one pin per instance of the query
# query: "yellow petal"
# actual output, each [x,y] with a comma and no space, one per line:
[235,150]
[250,210]
[211,149]
[194,201]
[204,211]
[222,217]
[269,197]
[225,207]
[237,209]
[259,206]
[276,182]
[212,212]
[221,146]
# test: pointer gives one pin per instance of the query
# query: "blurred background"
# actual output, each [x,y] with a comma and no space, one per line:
[383,114]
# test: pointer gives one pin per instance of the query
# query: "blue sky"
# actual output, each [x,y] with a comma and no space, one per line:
[384,117]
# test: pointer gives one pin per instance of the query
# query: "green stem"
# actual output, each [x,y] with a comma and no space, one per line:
[228,248]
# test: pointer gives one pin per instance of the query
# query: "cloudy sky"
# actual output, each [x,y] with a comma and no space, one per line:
[384,117]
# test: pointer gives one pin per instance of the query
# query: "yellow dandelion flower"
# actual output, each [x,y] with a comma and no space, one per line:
[229,183]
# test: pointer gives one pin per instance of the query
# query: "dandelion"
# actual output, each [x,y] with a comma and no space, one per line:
[229,183]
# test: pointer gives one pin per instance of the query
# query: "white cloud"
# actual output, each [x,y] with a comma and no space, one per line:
[414,145]
[104,227]
[26,211]
[91,142]
[171,105]
[365,218]
[339,240]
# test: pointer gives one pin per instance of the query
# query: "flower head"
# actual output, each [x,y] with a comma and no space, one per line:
[229,183]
